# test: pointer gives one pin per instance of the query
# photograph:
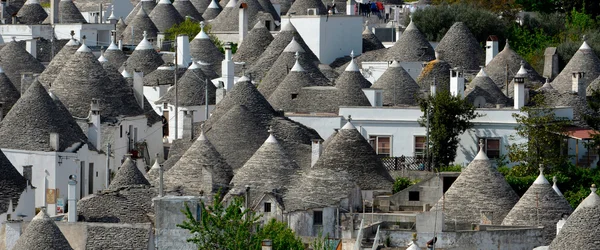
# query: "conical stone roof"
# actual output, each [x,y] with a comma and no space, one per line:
[212,11]
[276,47]
[115,56]
[460,47]
[318,188]
[126,94]
[350,85]
[200,170]
[269,168]
[349,151]
[437,71]
[163,75]
[69,13]
[228,19]
[142,24]
[203,49]
[581,231]
[370,41]
[300,7]
[31,120]
[480,187]
[496,69]
[58,62]
[201,5]
[238,126]
[281,98]
[284,63]
[83,79]
[14,60]
[539,206]
[186,8]
[268,7]
[144,58]
[191,89]
[42,233]
[32,13]
[242,93]
[254,44]
[147,5]
[164,16]
[412,46]
[398,86]
[128,175]
[482,86]
[12,184]
[121,26]
[225,13]
[584,60]
[153,174]
[8,93]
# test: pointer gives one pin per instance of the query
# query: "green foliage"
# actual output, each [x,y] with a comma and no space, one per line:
[449,117]
[321,242]
[191,28]
[451,168]
[231,228]
[400,184]
[594,120]
[545,143]
[434,21]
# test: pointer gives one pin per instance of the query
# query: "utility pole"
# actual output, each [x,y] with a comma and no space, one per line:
[107,169]
[206,99]
[176,97]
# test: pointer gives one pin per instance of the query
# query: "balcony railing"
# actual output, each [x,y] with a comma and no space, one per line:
[405,163]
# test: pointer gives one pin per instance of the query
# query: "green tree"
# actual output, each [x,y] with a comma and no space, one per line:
[449,117]
[231,227]
[544,133]
[191,28]
[400,184]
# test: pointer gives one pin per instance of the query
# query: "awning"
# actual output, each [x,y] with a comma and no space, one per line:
[580,133]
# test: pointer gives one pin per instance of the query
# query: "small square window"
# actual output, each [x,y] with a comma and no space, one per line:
[267,208]
[317,218]
[294,96]
[413,196]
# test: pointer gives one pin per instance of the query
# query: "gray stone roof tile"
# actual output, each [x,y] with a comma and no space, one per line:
[297,78]
[12,184]
[163,75]
[411,47]
[370,41]
[164,16]
[228,19]
[144,60]
[147,5]
[15,60]
[186,8]
[115,56]
[191,89]
[480,187]
[581,229]
[141,23]
[126,205]
[8,93]
[483,86]
[32,13]
[300,7]
[201,5]
[496,69]
[69,13]
[460,48]
[58,63]
[212,13]
[42,233]
[203,49]
[254,44]
[31,120]
[128,175]
[398,86]
[437,70]
[584,60]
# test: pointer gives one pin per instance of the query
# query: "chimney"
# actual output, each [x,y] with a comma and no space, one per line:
[433,88]
[26,80]
[120,44]
[491,49]
[578,87]
[267,244]
[54,11]
[227,67]
[188,124]
[184,57]
[2,8]
[54,141]
[551,63]
[519,92]
[398,33]
[375,96]
[160,181]
[27,172]
[94,126]
[457,83]
[317,149]
[243,21]
[350,7]
[220,93]
[13,229]
[72,199]
[138,87]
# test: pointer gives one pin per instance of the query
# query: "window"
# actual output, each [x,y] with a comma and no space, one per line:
[317,218]
[267,208]
[382,145]
[121,131]
[491,146]
[420,146]
[413,196]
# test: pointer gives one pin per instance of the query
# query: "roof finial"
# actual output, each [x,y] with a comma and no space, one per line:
[584,38]
[349,118]
[297,55]
[270,130]
[507,46]
[481,144]
[414,237]
[202,26]
[72,34]
[352,54]
[554,179]
[541,168]
[14,38]
[145,34]
[593,188]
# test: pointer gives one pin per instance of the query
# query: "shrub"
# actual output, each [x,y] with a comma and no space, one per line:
[401,183]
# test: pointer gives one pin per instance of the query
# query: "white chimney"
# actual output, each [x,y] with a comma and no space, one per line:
[375,96]
[519,91]
[54,141]
[13,231]
[72,199]
[433,88]
[560,224]
[138,87]
[578,87]
[220,93]
[120,44]
[398,33]
[317,149]
[227,67]
[184,58]
[31,47]
[54,11]
[188,124]
[491,49]
[243,22]
[94,126]
[350,7]
[457,83]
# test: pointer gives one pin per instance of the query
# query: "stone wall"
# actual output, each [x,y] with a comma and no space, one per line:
[119,236]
